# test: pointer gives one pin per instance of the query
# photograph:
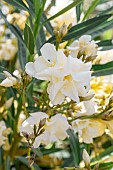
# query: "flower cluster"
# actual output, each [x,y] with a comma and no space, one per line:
[68,76]
[10,80]
[84,48]
[40,129]
[8,49]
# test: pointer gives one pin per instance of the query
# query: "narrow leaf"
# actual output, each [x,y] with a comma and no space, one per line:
[29,39]
[91,8]
[75,148]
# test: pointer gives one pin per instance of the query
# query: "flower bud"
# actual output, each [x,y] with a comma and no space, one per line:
[86,158]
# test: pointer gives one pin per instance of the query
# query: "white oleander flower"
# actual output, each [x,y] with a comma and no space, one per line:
[55,130]
[43,65]
[72,81]
[87,108]
[34,119]
[68,76]
[84,46]
[9,81]
[2,130]
[8,49]
[89,129]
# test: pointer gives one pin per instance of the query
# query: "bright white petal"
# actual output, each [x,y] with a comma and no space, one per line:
[70,90]
[41,64]
[48,51]
[30,69]
[61,58]
[7,83]
[85,39]
[55,94]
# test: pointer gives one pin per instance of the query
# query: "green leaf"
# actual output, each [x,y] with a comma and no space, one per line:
[22,55]
[106,45]
[78,12]
[104,166]
[17,3]
[73,4]
[49,151]
[107,11]
[91,8]
[1,157]
[48,25]
[37,152]
[102,28]
[24,161]
[75,147]
[102,69]
[107,152]
[37,4]
[87,27]
[7,163]
[41,39]
[29,39]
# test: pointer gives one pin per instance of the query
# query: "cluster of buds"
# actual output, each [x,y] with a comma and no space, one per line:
[25,79]
[15,80]
[37,131]
[62,32]
[30,138]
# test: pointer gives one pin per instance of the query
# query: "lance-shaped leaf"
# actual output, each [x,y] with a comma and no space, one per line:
[102,69]
[29,39]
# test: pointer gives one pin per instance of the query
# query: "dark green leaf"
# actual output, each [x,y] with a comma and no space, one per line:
[41,39]
[21,5]
[102,69]
[48,26]
[107,152]
[7,163]
[78,11]
[29,39]
[101,28]
[75,147]
[22,55]
[106,45]
[49,151]
[17,3]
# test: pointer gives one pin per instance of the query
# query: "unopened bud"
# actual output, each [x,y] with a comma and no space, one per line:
[63,30]
[41,131]
[69,26]
[42,122]
[86,158]
[108,115]
[25,134]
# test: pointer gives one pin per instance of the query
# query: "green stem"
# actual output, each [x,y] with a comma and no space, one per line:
[24,102]
[29,151]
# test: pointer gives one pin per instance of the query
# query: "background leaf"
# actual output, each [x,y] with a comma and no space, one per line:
[29,39]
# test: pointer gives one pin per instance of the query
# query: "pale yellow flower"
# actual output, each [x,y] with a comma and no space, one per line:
[89,129]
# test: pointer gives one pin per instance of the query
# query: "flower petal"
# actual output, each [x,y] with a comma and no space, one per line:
[48,51]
